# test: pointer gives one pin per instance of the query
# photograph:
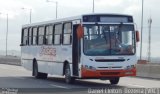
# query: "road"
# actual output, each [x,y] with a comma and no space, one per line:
[16,78]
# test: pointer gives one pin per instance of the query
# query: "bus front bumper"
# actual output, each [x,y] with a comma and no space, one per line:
[87,73]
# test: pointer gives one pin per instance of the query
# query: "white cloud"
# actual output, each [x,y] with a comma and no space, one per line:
[11,7]
[108,3]
[133,9]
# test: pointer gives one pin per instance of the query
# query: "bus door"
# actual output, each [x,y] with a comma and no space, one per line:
[75,51]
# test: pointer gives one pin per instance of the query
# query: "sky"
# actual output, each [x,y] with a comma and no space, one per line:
[43,11]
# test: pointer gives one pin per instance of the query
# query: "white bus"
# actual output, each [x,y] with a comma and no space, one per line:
[91,46]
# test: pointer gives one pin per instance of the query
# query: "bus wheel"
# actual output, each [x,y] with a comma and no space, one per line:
[68,78]
[114,80]
[37,74]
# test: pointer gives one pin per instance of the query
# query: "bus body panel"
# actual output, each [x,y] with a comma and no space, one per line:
[50,59]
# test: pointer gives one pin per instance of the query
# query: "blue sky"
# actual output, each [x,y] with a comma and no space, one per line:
[42,11]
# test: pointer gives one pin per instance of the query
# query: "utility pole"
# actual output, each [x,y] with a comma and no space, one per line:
[56,6]
[7,36]
[30,14]
[141,32]
[93,7]
[149,39]
[6,33]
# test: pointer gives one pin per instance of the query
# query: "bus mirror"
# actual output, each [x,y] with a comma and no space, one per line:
[80,32]
[137,36]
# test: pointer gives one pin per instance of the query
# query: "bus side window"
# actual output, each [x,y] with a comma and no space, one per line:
[41,35]
[25,37]
[58,34]
[30,36]
[67,33]
[49,35]
[34,39]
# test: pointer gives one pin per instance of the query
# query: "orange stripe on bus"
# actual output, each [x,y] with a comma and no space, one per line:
[107,73]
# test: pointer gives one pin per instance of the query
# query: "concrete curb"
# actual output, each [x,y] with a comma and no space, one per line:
[11,60]
[150,70]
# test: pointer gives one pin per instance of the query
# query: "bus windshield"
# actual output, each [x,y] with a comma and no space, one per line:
[109,39]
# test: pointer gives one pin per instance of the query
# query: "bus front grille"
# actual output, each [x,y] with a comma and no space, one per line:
[116,67]
[109,60]
[109,73]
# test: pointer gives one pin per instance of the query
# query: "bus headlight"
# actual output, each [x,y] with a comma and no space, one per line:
[89,67]
[130,67]
[92,68]
[86,66]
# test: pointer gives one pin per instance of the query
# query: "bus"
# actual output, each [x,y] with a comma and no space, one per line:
[90,46]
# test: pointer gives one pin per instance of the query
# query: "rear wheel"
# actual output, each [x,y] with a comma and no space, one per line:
[114,81]
[68,78]
[37,74]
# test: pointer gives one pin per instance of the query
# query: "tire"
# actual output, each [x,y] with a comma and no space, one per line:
[114,81]
[68,78]
[37,74]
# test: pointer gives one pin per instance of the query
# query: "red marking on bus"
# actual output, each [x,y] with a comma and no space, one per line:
[48,51]
[106,73]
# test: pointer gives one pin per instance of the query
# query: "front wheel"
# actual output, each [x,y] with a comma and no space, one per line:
[114,81]
[68,78]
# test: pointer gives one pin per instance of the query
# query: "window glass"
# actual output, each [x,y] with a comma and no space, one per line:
[40,39]
[67,28]
[41,31]
[30,31]
[34,36]
[25,32]
[35,31]
[49,39]
[25,40]
[58,29]
[34,40]
[25,36]
[41,35]
[109,39]
[67,33]
[58,33]
[30,36]
[127,37]
[49,34]
[66,39]
[49,30]
[57,39]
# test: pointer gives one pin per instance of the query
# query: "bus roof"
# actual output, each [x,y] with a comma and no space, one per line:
[70,19]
